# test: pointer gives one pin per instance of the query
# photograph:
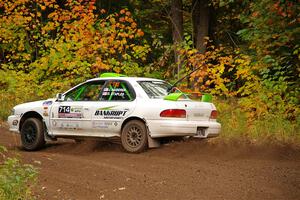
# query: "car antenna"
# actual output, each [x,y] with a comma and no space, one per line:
[174,85]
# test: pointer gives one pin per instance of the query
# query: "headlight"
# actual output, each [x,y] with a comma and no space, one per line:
[13,112]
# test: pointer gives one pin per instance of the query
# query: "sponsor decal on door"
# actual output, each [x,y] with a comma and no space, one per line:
[110,113]
[69,112]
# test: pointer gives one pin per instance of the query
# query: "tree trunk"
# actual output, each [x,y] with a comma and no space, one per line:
[177,28]
[200,14]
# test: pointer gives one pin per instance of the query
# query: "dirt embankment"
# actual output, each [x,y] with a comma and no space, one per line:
[193,169]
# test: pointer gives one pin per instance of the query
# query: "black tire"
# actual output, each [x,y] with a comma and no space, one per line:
[32,134]
[134,136]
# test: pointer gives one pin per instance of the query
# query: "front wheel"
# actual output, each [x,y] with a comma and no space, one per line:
[32,134]
[134,136]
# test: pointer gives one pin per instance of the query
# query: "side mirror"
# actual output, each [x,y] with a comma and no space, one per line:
[60,97]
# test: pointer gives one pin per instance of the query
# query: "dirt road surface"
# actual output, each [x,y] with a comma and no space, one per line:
[193,169]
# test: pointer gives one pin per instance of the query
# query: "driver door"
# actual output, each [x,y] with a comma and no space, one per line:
[73,116]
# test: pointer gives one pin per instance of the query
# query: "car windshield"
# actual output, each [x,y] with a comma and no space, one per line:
[156,89]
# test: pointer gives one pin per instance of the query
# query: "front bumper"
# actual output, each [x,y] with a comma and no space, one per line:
[13,122]
[166,128]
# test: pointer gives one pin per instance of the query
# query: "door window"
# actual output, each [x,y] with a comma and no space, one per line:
[87,92]
[116,90]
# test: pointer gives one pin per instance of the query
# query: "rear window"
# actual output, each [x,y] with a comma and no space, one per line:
[156,89]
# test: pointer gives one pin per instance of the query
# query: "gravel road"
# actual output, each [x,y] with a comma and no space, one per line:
[192,169]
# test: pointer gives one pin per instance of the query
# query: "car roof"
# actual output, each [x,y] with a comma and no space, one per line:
[125,78]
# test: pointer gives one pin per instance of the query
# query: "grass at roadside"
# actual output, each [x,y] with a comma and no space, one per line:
[270,128]
[5,106]
[16,179]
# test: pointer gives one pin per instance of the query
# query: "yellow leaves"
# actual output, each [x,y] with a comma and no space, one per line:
[51,15]
[242,72]
[102,25]
[126,18]
[112,20]
[130,20]
[112,51]
[123,41]
[117,69]
[83,42]
[133,25]
[131,36]
[127,13]
[239,61]
[191,52]
[122,19]
[122,11]
[140,33]
[26,56]
[219,73]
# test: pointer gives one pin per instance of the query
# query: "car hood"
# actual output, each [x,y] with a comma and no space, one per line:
[35,104]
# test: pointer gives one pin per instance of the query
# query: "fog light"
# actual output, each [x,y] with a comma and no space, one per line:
[15,122]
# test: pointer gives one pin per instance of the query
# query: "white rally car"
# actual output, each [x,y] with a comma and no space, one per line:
[138,110]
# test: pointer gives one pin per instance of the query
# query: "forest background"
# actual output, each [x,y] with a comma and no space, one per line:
[247,53]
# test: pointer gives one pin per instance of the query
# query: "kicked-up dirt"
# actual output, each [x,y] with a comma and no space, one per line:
[192,169]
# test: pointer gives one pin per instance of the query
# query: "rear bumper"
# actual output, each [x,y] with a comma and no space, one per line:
[13,122]
[165,128]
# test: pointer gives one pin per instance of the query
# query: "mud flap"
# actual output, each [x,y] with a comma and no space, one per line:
[153,143]
[47,137]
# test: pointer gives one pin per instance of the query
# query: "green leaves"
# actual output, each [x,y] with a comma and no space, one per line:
[16,179]
[271,30]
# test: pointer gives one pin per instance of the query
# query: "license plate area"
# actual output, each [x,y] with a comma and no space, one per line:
[201,131]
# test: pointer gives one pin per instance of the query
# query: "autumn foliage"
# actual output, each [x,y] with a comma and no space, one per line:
[252,54]
[48,47]
[54,46]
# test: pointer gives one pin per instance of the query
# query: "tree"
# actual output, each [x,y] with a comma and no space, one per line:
[271,29]
[200,15]
[177,28]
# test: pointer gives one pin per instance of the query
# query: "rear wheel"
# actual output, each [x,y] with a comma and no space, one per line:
[134,136]
[32,134]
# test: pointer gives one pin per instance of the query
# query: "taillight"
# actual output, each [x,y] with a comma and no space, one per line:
[213,114]
[178,113]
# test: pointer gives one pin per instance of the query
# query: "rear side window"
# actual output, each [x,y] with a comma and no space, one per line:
[117,90]
[158,89]
[155,89]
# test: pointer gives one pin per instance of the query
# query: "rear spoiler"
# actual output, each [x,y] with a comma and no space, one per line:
[175,96]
